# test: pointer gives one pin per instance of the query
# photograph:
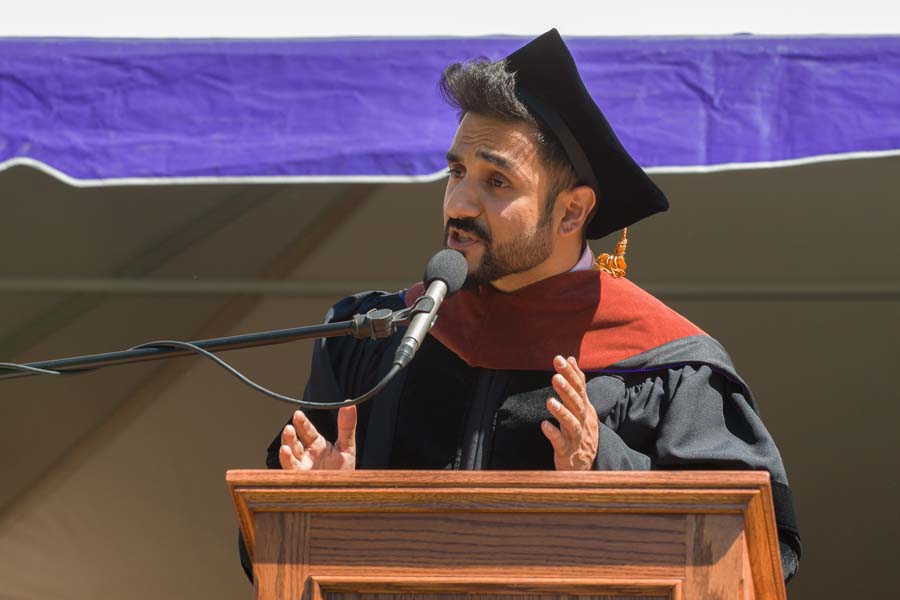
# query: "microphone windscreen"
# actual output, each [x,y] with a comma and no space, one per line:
[450,267]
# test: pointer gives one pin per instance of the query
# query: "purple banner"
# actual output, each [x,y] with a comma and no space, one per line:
[96,109]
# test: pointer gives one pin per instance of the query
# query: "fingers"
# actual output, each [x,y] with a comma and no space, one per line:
[346,441]
[571,408]
[568,368]
[569,396]
[305,429]
[580,374]
[555,436]
[569,385]
[569,424]
[292,455]
[575,440]
[289,439]
[288,460]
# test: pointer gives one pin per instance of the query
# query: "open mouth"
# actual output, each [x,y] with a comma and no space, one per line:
[459,240]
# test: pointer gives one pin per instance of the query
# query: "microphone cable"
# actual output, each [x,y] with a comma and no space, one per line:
[395,368]
[447,267]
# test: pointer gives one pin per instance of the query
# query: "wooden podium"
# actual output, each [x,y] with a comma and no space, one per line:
[445,535]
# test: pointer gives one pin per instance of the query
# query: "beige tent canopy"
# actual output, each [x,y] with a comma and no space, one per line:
[113,482]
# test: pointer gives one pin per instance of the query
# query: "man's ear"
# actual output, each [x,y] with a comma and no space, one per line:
[577,203]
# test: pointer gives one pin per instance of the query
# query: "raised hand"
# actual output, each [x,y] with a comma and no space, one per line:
[576,439]
[303,448]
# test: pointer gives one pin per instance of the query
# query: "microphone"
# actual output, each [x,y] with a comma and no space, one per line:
[445,274]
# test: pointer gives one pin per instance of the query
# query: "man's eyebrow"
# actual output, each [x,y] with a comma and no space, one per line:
[496,159]
[486,155]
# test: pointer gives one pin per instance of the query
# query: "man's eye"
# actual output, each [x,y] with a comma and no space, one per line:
[454,172]
[496,182]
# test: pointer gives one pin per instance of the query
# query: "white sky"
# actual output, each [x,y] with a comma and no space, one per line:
[300,18]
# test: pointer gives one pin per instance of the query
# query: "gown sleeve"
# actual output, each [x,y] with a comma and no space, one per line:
[341,368]
[691,417]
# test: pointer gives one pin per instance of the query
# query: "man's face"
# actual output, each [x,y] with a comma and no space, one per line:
[494,204]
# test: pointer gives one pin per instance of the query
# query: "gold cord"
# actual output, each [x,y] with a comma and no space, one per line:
[614,264]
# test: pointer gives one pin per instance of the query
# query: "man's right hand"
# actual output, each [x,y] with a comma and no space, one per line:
[303,448]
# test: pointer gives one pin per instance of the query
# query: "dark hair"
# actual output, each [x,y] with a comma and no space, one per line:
[487,88]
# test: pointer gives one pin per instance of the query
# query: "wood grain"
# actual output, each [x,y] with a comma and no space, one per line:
[429,491]
[466,596]
[436,535]
[282,557]
[488,588]
[481,544]
[535,500]
[762,540]
[714,559]
[498,479]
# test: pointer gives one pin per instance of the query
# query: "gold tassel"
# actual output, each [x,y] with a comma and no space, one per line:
[614,264]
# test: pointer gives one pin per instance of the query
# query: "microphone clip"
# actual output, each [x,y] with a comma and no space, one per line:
[380,323]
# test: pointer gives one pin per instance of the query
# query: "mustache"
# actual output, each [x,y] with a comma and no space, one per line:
[470,226]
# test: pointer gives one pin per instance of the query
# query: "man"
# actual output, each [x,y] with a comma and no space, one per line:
[541,362]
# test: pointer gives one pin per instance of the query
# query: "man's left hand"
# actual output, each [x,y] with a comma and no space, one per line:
[575,440]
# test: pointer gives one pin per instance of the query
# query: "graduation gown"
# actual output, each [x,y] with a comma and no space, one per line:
[667,394]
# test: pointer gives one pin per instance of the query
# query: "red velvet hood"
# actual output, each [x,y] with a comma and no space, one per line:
[586,314]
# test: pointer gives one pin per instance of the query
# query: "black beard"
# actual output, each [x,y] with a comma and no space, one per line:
[500,260]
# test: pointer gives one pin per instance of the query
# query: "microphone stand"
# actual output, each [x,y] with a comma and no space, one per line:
[375,324]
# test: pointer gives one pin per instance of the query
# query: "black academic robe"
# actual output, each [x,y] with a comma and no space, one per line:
[670,398]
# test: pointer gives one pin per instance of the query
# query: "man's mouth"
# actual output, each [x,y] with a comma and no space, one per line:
[459,240]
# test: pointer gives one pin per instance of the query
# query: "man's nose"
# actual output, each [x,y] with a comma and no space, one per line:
[461,200]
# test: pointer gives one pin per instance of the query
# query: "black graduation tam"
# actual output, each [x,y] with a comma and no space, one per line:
[547,81]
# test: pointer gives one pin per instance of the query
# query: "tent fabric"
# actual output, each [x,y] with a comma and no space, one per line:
[113,110]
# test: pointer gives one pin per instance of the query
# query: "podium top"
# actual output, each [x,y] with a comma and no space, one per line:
[708,480]
[677,492]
